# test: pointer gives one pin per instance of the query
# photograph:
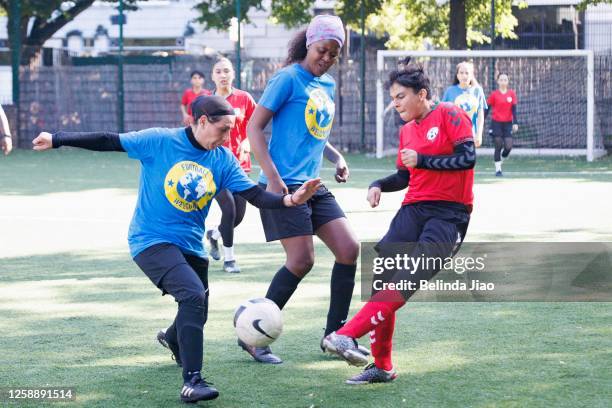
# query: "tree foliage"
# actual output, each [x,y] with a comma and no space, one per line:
[45,17]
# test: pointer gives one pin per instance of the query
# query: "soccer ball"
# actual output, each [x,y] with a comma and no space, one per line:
[258,322]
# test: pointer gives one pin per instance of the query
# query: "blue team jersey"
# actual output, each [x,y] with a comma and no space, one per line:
[471,100]
[304,108]
[178,181]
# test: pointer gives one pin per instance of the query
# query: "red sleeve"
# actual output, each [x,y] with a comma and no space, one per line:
[491,99]
[250,106]
[185,98]
[398,162]
[457,125]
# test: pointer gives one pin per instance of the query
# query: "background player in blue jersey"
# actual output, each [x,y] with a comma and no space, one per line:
[182,170]
[299,99]
[469,96]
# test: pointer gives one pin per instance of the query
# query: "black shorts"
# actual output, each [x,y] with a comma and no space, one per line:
[303,219]
[432,229]
[159,259]
[412,220]
[501,129]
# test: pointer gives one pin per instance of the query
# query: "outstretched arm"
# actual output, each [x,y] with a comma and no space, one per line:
[261,198]
[98,141]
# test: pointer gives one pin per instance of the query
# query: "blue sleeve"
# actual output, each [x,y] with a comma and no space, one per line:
[277,91]
[482,101]
[142,144]
[447,95]
[234,178]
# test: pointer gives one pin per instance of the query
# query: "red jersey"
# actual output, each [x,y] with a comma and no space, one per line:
[502,105]
[244,105]
[442,129]
[189,96]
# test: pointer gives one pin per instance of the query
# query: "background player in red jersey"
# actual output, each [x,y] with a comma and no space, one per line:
[232,206]
[435,160]
[503,101]
[197,89]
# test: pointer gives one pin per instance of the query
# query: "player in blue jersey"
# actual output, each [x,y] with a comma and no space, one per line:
[181,171]
[299,99]
[469,96]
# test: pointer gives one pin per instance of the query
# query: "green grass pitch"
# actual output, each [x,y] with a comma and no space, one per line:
[77,312]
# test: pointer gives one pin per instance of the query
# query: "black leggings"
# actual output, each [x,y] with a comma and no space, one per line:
[233,208]
[185,277]
[505,144]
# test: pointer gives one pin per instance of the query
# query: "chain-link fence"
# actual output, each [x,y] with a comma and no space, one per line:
[80,94]
[83,96]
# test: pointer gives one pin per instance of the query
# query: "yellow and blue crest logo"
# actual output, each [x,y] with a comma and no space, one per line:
[189,186]
[467,102]
[319,113]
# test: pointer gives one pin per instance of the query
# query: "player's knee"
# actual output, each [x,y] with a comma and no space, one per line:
[196,298]
[349,253]
[301,264]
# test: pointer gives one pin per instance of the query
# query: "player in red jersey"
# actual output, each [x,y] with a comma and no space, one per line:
[435,160]
[232,206]
[197,89]
[503,101]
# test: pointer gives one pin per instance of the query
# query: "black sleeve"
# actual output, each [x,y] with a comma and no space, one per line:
[261,198]
[463,158]
[514,118]
[395,182]
[99,141]
[486,112]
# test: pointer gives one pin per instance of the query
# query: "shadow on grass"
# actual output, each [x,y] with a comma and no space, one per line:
[456,356]
[93,327]
[70,170]
[67,170]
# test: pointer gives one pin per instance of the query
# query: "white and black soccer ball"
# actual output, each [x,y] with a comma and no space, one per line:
[258,322]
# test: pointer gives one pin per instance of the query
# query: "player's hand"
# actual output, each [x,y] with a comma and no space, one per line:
[515,127]
[244,150]
[7,144]
[374,194]
[187,120]
[342,171]
[303,194]
[478,140]
[277,186]
[43,141]
[409,158]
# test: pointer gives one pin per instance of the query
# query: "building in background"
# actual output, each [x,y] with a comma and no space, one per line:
[557,24]
[167,25]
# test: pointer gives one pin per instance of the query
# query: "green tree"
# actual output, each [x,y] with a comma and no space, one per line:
[407,23]
[585,3]
[46,18]
[413,23]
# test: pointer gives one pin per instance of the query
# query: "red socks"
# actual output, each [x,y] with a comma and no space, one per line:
[381,341]
[379,308]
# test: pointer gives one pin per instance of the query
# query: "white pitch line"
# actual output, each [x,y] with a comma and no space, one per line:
[515,173]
